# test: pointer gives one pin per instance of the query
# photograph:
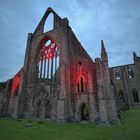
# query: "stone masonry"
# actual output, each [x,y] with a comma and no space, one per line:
[61,82]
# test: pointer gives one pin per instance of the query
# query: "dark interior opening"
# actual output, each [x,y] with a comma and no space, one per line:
[84,112]
[82,85]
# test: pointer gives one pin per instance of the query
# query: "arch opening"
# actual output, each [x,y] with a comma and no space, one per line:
[49,23]
[48,110]
[47,59]
[84,112]
[39,109]
[81,84]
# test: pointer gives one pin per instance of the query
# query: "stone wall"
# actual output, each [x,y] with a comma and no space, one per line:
[126,79]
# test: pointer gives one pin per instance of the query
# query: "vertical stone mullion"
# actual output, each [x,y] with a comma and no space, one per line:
[48,68]
[44,68]
[55,66]
[52,68]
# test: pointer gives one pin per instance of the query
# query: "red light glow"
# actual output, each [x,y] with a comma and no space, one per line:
[15,83]
[48,51]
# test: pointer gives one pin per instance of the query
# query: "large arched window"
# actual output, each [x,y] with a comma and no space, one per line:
[48,58]
[135,95]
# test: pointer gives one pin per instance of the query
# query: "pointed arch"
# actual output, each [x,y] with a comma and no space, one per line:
[49,23]
[39,110]
[48,109]
[81,84]
[84,111]
[117,75]
[56,22]
[130,73]
[48,55]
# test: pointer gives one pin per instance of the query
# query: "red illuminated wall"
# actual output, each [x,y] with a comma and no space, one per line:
[82,68]
[15,83]
[81,65]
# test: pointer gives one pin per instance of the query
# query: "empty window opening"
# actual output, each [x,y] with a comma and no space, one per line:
[130,73]
[48,42]
[117,75]
[49,23]
[82,85]
[78,87]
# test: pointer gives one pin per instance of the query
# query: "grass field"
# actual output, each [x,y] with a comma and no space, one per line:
[16,130]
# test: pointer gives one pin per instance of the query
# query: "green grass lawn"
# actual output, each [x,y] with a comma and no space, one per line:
[16,130]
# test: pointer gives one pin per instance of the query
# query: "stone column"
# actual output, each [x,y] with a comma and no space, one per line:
[93,110]
[102,102]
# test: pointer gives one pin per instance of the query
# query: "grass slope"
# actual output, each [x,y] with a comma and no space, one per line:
[16,130]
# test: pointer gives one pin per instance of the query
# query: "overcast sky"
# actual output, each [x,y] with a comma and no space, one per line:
[117,22]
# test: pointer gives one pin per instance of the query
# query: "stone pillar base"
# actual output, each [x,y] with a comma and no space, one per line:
[61,111]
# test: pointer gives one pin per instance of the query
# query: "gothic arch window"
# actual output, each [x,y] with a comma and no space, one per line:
[78,87]
[81,80]
[117,75]
[135,95]
[130,73]
[81,84]
[49,23]
[48,58]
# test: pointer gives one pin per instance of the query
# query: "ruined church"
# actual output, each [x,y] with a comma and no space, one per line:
[61,82]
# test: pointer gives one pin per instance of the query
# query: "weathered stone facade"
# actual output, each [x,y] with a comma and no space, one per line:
[60,81]
[126,80]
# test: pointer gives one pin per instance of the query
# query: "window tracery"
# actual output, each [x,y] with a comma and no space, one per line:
[130,73]
[117,75]
[48,59]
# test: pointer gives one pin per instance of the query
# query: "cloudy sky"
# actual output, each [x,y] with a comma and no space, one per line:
[117,22]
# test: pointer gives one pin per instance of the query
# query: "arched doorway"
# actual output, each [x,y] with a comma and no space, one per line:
[84,112]
[122,102]
[48,109]
[39,109]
